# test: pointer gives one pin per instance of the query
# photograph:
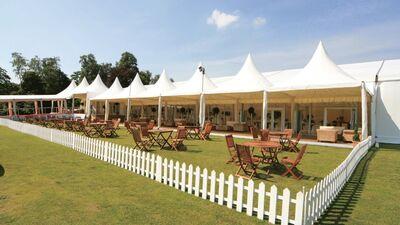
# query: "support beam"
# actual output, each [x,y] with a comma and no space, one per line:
[292,105]
[265,110]
[165,112]
[202,114]
[36,106]
[128,110]
[309,119]
[73,106]
[364,112]
[52,106]
[159,112]
[107,110]
[41,107]
[373,111]
[10,109]
[15,108]
[236,111]
[325,116]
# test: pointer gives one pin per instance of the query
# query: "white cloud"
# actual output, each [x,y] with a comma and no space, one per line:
[259,21]
[221,19]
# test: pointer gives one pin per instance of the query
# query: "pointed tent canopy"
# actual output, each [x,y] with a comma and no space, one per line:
[81,88]
[67,92]
[134,89]
[195,85]
[320,72]
[162,86]
[113,91]
[248,79]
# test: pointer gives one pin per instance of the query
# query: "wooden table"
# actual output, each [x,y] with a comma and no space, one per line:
[161,137]
[193,132]
[99,128]
[283,138]
[266,146]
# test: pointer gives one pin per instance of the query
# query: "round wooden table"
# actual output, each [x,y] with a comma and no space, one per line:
[271,147]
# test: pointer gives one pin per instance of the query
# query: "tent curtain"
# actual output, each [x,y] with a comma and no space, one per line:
[364,113]
[373,112]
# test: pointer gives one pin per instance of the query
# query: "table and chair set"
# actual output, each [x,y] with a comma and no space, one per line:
[264,149]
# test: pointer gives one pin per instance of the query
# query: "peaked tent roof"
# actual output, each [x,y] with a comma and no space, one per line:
[134,89]
[195,85]
[110,93]
[81,88]
[320,72]
[67,92]
[248,79]
[162,86]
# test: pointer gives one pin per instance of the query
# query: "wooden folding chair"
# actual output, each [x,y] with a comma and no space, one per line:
[127,125]
[89,131]
[291,164]
[230,144]
[264,134]
[177,142]
[255,132]
[247,163]
[141,143]
[150,126]
[205,134]
[293,144]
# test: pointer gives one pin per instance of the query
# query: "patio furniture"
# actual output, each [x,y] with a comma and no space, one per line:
[111,129]
[240,127]
[348,135]
[150,126]
[247,163]
[127,125]
[177,142]
[193,132]
[255,132]
[161,137]
[264,134]
[268,149]
[180,122]
[293,144]
[289,133]
[329,133]
[69,125]
[98,129]
[277,136]
[141,143]
[291,164]
[230,144]
[205,134]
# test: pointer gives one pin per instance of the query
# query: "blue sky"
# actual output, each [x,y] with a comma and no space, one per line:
[176,35]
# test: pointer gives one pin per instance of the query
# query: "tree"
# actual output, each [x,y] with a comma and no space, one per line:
[19,63]
[125,69]
[6,86]
[154,79]
[32,83]
[76,76]
[35,64]
[105,73]
[145,76]
[89,67]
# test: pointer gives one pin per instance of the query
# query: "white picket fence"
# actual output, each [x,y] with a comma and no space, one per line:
[232,192]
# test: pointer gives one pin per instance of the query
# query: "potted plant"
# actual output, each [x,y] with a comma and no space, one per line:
[356,137]
[215,112]
[252,113]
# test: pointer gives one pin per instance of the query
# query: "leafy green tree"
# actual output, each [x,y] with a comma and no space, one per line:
[125,69]
[35,64]
[32,83]
[105,73]
[154,79]
[76,76]
[6,86]
[145,76]
[19,63]
[89,67]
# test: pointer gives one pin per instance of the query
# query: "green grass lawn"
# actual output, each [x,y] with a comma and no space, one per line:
[316,164]
[46,183]
[372,194]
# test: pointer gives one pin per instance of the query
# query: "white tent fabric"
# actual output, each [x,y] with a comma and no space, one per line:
[81,88]
[196,85]
[320,72]
[95,88]
[134,89]
[110,93]
[163,85]
[248,79]
[68,92]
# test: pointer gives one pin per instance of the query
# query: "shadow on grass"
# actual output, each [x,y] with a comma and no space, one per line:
[342,207]
[2,171]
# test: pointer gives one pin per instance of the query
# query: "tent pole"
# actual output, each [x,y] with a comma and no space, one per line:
[309,119]
[159,112]
[15,108]
[35,103]
[373,111]
[265,110]
[52,105]
[165,112]
[107,110]
[128,109]
[364,113]
[10,109]
[292,104]
[202,110]
[73,106]
[325,116]
[236,111]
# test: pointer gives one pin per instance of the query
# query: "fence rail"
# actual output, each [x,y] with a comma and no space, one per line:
[234,193]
